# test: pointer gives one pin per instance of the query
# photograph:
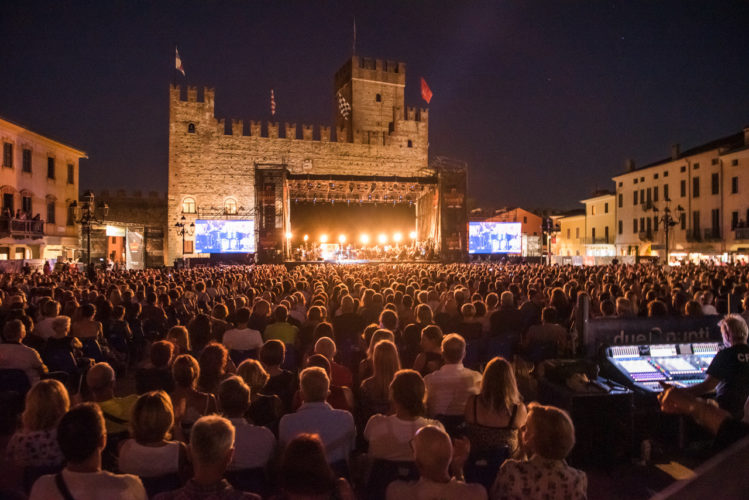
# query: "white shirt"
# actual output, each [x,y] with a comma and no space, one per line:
[90,486]
[425,489]
[44,329]
[335,427]
[449,387]
[253,445]
[149,461]
[21,357]
[390,437]
[245,339]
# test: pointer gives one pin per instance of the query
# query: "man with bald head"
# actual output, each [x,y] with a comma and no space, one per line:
[433,455]
[100,380]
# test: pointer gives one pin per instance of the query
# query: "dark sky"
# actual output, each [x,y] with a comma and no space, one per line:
[544,99]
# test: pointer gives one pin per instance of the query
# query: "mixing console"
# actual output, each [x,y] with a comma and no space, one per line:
[645,366]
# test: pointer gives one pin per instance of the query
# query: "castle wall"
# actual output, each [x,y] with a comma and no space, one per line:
[211,164]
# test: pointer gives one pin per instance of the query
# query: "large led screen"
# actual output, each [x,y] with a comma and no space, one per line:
[494,237]
[224,236]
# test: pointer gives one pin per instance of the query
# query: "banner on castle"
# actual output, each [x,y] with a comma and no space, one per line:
[134,253]
[426,92]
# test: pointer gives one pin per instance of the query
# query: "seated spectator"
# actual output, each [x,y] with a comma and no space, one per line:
[339,375]
[728,373]
[242,337]
[35,444]
[149,452]
[449,387]
[14,355]
[469,327]
[158,375]
[375,391]
[281,383]
[50,310]
[213,367]
[86,327]
[264,409]
[430,357]
[548,436]
[340,398]
[434,456]
[389,436]
[693,309]
[507,319]
[335,427]
[219,324]
[494,416]
[189,403]
[548,333]
[348,325]
[253,445]
[281,329]
[63,352]
[82,436]
[211,450]
[100,380]
[178,336]
[304,472]
[412,335]
[377,334]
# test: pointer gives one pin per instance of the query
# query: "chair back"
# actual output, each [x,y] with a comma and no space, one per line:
[253,480]
[14,380]
[238,356]
[482,466]
[475,350]
[160,484]
[384,472]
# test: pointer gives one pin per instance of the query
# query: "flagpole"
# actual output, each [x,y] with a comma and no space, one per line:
[353,43]
[174,70]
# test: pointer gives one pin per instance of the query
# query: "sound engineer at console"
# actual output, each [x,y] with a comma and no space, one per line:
[728,374]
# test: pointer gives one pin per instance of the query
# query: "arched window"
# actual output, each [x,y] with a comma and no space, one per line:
[191,128]
[230,206]
[188,206]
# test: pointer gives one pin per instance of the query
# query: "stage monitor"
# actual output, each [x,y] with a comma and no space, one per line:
[494,237]
[224,236]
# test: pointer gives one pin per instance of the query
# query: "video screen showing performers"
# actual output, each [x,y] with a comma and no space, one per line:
[494,237]
[225,236]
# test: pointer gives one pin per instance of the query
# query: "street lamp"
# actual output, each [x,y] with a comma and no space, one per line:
[182,229]
[86,215]
[669,221]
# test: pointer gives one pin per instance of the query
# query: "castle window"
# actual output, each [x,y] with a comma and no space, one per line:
[50,168]
[50,211]
[230,206]
[8,154]
[188,206]
[191,128]
[27,160]
[410,143]
[378,98]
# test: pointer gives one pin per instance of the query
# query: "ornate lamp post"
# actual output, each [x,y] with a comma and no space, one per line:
[86,214]
[184,228]
[668,220]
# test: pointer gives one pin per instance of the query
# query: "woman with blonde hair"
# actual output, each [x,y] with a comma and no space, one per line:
[494,416]
[35,445]
[265,409]
[150,453]
[178,336]
[375,390]
[189,404]
[365,367]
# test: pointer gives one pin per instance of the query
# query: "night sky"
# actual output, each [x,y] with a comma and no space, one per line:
[545,100]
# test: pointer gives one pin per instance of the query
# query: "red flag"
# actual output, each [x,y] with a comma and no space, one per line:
[178,62]
[426,92]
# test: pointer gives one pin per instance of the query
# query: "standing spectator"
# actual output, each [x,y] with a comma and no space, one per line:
[335,427]
[82,435]
[211,450]
[35,445]
[548,436]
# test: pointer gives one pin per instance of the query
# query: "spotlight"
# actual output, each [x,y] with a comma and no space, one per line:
[412,235]
[397,237]
[323,238]
[306,237]
[364,238]
[382,239]
[288,235]
[342,239]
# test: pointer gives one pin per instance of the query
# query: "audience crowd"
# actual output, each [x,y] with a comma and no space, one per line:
[318,381]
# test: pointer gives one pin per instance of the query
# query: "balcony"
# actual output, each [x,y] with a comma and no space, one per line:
[742,233]
[21,228]
[712,234]
[597,241]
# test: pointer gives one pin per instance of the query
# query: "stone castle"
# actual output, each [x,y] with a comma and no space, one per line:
[241,172]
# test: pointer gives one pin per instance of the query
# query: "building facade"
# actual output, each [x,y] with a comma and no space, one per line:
[600,221]
[570,239]
[377,152]
[699,198]
[39,181]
